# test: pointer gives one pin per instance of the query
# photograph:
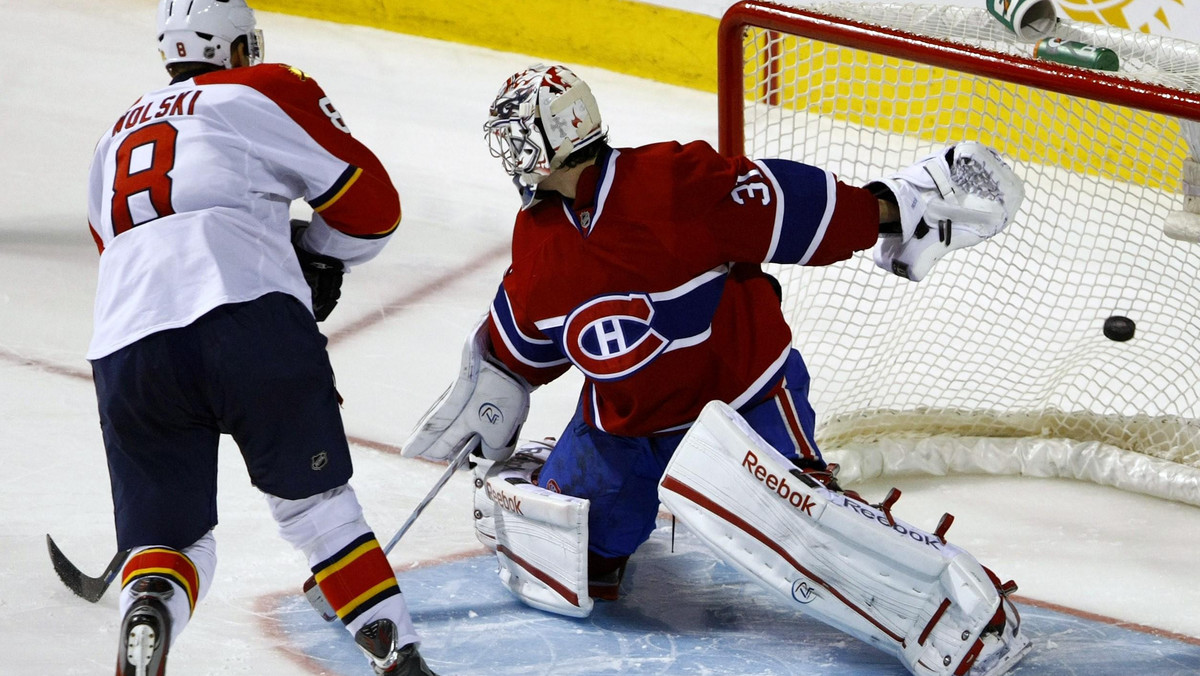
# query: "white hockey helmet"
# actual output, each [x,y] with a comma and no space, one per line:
[203,31]
[540,116]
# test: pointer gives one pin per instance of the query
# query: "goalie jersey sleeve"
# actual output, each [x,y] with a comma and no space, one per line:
[189,196]
[649,281]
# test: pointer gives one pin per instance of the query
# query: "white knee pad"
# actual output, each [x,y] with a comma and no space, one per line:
[320,525]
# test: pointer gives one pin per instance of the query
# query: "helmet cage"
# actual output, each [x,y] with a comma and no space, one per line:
[256,47]
[518,142]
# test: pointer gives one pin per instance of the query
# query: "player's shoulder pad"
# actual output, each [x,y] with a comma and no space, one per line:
[677,150]
[695,172]
[278,81]
[686,156]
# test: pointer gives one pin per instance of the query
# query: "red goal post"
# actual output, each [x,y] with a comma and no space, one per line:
[997,362]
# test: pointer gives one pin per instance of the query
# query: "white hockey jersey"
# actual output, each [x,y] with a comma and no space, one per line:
[190,191]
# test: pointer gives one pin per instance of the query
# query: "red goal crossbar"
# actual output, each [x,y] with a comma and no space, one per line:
[1095,85]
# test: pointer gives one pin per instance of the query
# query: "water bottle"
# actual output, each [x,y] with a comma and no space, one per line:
[1079,54]
[1029,20]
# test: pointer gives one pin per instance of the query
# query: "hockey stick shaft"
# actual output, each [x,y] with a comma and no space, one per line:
[437,487]
[90,589]
[313,592]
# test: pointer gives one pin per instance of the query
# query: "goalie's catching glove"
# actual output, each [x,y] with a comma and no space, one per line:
[323,274]
[486,405]
[952,199]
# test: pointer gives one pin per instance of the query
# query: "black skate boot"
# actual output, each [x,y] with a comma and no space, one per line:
[378,641]
[146,630]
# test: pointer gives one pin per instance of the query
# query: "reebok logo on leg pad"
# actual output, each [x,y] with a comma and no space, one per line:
[778,484]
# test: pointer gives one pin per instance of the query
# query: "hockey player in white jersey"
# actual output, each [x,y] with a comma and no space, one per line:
[205,323]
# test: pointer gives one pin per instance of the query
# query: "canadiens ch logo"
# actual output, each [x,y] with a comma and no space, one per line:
[610,337]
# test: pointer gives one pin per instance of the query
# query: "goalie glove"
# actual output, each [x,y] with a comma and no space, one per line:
[949,200]
[486,405]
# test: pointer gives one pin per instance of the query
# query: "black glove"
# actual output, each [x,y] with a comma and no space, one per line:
[323,274]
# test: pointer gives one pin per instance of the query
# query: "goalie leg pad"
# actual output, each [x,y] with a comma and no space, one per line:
[1185,225]
[852,566]
[541,538]
[484,510]
[523,467]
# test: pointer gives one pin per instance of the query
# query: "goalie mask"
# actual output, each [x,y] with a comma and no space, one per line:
[540,116]
[203,31]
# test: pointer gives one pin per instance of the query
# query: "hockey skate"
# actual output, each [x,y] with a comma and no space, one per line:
[146,630]
[605,575]
[378,641]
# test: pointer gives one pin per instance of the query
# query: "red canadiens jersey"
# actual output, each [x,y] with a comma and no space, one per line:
[190,190]
[649,282]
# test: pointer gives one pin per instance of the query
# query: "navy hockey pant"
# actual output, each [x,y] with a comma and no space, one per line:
[619,475]
[257,371]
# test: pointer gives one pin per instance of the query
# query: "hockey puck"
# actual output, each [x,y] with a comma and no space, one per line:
[1119,328]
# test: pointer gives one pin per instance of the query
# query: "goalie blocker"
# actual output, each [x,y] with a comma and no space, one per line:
[486,405]
[841,561]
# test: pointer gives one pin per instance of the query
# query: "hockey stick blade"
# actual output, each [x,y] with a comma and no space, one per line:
[313,593]
[90,589]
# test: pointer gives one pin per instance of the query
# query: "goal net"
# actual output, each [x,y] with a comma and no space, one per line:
[997,362]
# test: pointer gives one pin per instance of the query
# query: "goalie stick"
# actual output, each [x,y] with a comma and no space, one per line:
[88,588]
[313,592]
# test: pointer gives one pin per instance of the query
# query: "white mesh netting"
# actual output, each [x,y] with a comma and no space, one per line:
[1000,351]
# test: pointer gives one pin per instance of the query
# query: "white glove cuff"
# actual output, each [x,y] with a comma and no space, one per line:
[908,200]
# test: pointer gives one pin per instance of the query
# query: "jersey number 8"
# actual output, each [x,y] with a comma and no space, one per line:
[150,177]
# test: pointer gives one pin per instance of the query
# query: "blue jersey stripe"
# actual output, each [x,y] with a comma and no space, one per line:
[807,199]
[534,352]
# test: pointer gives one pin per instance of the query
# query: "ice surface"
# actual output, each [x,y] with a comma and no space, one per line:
[69,68]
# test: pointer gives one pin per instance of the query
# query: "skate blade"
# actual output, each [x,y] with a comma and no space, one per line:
[140,647]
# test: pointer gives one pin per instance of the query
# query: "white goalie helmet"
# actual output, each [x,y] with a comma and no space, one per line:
[540,116]
[203,31]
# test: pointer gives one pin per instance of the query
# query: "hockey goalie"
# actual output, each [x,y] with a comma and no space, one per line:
[785,523]
[641,268]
